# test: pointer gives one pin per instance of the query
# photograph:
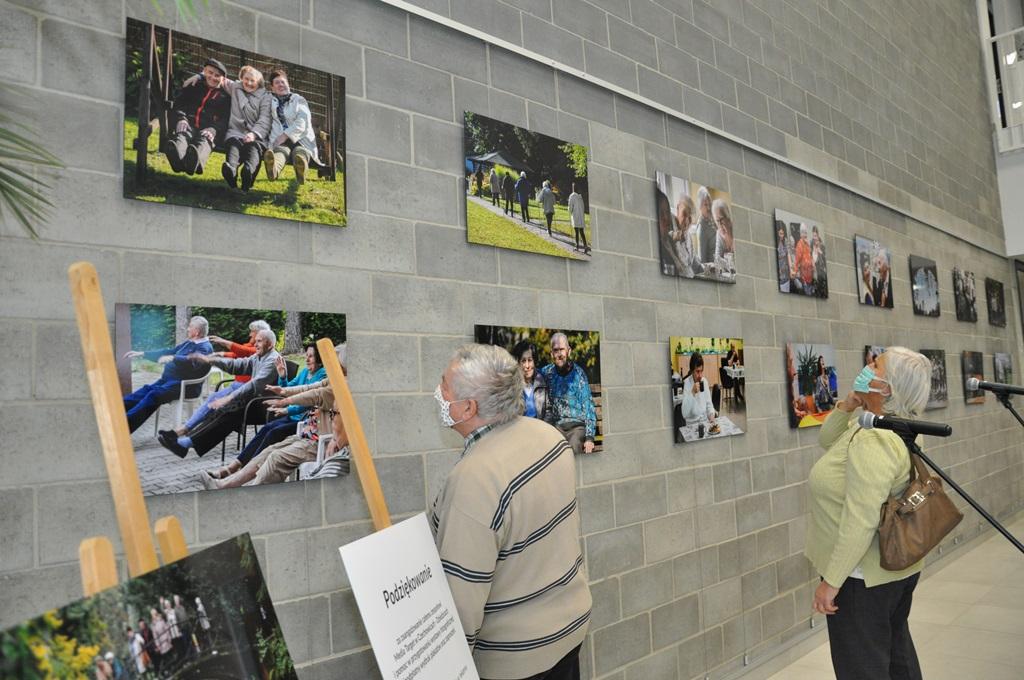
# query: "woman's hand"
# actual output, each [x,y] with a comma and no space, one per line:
[696,388]
[824,599]
[851,403]
[275,389]
[282,368]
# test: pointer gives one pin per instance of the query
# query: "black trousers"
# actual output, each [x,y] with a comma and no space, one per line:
[568,668]
[212,429]
[509,205]
[248,154]
[177,147]
[548,217]
[869,636]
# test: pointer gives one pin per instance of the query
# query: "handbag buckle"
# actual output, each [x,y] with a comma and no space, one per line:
[915,499]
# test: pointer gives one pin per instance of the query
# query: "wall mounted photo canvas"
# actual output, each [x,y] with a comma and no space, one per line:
[208,615]
[1003,366]
[996,302]
[972,364]
[1019,268]
[812,383]
[695,230]
[208,125]
[196,380]
[800,255]
[872,352]
[562,372]
[525,190]
[873,263]
[964,295]
[924,286]
[938,397]
[707,380]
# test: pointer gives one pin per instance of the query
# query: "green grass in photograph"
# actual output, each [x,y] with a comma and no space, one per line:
[486,227]
[317,200]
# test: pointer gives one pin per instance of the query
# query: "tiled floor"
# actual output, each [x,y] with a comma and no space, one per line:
[967,619]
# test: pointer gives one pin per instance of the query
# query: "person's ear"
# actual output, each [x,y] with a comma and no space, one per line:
[469,411]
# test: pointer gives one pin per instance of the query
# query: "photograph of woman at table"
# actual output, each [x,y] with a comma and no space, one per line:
[698,403]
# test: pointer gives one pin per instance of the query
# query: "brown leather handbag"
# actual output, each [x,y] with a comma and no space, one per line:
[915,521]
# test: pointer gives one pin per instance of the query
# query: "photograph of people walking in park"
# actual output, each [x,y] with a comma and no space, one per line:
[965,295]
[812,383]
[924,286]
[207,125]
[996,303]
[561,376]
[695,231]
[525,190]
[707,387]
[938,396]
[208,615]
[800,253]
[972,365]
[247,384]
[873,263]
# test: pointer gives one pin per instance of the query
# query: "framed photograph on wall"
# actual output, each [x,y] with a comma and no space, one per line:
[972,365]
[1003,368]
[800,255]
[965,296]
[208,125]
[812,383]
[695,230]
[208,615]
[873,263]
[525,190]
[1019,269]
[562,371]
[938,396]
[872,352]
[995,302]
[924,286]
[707,379]
[195,385]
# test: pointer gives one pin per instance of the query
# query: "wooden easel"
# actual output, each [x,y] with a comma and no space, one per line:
[96,554]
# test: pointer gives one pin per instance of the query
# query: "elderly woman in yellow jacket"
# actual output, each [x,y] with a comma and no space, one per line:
[866,606]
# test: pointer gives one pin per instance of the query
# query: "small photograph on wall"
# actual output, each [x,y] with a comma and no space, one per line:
[938,397]
[695,230]
[965,296]
[812,383]
[207,125]
[562,372]
[1003,368]
[800,255]
[924,286]
[871,353]
[707,381]
[996,302]
[525,190]
[208,615]
[874,272]
[1019,267]
[973,368]
[212,395]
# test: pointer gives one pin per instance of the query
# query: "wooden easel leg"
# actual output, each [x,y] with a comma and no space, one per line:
[99,570]
[171,539]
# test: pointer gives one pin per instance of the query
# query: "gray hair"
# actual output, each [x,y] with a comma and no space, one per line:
[702,195]
[547,183]
[909,375]
[719,205]
[201,323]
[556,336]
[269,334]
[488,375]
[259,325]
[687,203]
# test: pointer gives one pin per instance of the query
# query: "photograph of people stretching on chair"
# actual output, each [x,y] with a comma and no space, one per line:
[212,126]
[247,382]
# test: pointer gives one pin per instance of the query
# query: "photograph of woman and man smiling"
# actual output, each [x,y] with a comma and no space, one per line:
[800,252]
[707,387]
[695,230]
[812,383]
[874,272]
[562,376]
[213,126]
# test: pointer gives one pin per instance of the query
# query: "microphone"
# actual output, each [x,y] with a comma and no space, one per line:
[901,426]
[998,388]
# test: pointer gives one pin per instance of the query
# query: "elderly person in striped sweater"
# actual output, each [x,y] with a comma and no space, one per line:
[507,525]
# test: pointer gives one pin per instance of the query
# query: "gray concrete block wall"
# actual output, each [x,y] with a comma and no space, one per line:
[693,551]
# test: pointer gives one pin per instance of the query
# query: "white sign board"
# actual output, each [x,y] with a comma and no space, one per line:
[406,605]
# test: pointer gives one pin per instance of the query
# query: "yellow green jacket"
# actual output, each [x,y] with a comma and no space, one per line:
[847,486]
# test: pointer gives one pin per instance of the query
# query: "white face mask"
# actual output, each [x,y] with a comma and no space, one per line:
[445,405]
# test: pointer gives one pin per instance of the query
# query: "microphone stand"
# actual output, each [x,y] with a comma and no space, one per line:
[908,439]
[1004,399]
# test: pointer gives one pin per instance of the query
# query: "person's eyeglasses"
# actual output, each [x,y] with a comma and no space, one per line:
[331,413]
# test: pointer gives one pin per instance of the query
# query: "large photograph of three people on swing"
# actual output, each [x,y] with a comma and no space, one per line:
[211,126]
[525,190]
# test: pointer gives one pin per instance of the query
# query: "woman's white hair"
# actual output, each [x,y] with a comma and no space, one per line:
[720,206]
[491,377]
[259,325]
[909,375]
[269,335]
[703,195]
[201,323]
